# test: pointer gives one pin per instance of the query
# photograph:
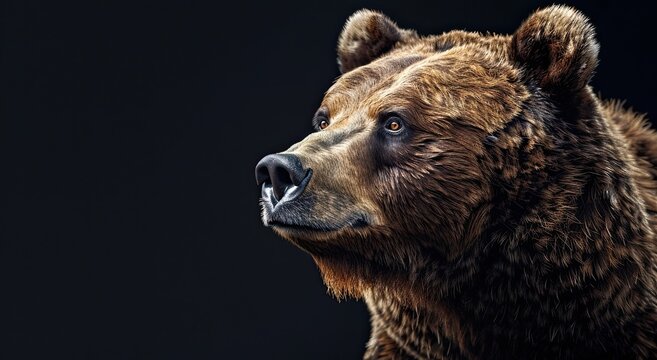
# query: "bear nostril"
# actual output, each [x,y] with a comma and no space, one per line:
[281,181]
[280,171]
[262,176]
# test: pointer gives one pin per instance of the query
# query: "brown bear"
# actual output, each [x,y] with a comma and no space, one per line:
[477,194]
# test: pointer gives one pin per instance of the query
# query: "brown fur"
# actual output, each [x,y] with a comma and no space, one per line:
[513,217]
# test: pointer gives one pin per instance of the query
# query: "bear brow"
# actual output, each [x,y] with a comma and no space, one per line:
[375,72]
[458,87]
[365,79]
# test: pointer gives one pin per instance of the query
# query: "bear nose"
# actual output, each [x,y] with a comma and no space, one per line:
[283,172]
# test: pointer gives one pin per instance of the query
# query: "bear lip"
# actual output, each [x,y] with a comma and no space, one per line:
[356,222]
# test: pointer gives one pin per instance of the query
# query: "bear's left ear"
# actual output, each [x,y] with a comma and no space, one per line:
[556,47]
[366,36]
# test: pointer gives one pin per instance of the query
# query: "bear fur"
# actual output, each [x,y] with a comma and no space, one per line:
[479,196]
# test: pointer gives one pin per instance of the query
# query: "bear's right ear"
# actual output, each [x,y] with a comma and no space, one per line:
[366,36]
[556,47]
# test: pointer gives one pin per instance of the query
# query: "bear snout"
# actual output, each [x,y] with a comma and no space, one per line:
[282,177]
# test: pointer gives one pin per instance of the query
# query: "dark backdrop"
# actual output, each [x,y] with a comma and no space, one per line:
[129,133]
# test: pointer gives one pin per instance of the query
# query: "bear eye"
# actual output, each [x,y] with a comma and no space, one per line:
[394,124]
[321,119]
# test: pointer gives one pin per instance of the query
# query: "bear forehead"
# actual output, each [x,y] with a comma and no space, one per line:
[451,76]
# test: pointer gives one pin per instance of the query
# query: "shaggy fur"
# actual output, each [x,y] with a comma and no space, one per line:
[512,216]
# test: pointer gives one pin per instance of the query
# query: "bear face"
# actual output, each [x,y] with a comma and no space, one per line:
[467,183]
[397,164]
[400,162]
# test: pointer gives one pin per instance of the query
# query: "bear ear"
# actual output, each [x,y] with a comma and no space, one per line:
[367,35]
[556,47]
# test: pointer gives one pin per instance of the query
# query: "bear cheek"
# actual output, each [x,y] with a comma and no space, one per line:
[432,192]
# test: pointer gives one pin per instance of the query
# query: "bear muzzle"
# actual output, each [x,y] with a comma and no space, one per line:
[288,205]
[282,177]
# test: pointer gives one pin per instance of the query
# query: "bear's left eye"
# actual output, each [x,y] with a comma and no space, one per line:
[394,124]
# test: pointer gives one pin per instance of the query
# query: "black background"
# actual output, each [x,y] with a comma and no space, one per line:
[129,132]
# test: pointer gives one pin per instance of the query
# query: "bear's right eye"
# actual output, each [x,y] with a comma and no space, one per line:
[321,119]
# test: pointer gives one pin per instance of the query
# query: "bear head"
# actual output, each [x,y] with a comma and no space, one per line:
[428,148]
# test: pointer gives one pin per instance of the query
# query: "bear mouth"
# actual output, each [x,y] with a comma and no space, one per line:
[293,215]
[355,222]
[294,219]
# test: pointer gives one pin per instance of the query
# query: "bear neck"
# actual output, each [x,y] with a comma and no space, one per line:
[568,275]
